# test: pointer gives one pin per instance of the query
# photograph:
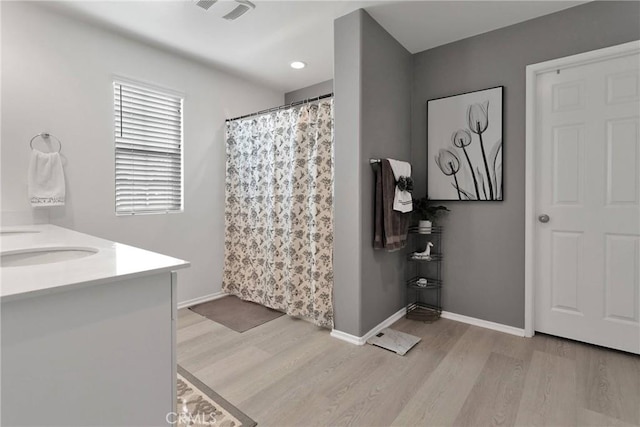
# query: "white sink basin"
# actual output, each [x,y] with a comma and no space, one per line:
[38,256]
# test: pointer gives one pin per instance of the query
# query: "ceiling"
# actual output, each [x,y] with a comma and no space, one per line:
[261,44]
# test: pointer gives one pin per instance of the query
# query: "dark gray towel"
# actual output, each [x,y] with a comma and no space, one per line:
[390,227]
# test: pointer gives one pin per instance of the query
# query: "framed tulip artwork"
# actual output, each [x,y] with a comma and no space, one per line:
[464,146]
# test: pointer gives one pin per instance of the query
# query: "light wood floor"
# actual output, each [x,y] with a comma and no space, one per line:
[288,372]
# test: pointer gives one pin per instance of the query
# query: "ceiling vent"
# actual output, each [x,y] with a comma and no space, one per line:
[243,7]
[205,4]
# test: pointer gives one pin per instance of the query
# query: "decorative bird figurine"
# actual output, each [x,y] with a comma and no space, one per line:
[426,254]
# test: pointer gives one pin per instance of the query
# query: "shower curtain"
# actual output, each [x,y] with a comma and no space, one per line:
[279,210]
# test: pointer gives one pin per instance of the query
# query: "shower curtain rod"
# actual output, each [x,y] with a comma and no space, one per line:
[293,104]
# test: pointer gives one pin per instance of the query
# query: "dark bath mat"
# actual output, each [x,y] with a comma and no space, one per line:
[235,313]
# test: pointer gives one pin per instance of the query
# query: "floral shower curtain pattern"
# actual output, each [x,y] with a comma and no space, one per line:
[279,211]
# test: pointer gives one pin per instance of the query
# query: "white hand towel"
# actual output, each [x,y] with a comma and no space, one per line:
[402,201]
[46,179]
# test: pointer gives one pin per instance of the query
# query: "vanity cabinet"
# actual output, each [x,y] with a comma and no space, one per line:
[89,341]
[99,355]
[424,282]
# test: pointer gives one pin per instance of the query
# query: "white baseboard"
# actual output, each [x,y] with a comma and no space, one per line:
[483,323]
[351,339]
[200,300]
[363,339]
[385,323]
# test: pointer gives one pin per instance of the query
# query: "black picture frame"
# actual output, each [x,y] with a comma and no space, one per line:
[465,148]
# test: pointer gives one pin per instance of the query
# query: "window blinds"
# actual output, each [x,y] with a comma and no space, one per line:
[148,141]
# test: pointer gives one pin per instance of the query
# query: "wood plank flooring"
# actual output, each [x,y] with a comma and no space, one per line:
[289,372]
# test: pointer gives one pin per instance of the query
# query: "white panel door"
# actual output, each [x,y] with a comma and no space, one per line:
[587,202]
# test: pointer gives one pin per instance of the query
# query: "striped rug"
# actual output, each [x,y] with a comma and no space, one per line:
[198,405]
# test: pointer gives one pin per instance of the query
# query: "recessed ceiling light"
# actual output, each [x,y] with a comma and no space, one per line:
[298,65]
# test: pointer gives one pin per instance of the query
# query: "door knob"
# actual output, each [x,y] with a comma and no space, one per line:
[544,218]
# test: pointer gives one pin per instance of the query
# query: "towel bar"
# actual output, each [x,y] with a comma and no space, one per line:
[46,135]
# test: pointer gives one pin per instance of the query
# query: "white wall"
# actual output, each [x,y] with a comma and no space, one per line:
[57,76]
[307,92]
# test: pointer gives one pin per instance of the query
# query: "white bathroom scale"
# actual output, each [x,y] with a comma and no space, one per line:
[395,341]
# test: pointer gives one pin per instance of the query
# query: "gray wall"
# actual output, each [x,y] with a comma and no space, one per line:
[372,119]
[318,89]
[346,251]
[385,132]
[484,242]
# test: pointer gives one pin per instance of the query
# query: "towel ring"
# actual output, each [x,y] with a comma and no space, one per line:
[45,135]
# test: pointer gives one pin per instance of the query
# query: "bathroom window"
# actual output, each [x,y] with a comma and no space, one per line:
[148,143]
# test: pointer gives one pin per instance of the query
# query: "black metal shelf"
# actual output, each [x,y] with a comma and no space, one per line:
[424,312]
[414,229]
[424,302]
[434,258]
[431,283]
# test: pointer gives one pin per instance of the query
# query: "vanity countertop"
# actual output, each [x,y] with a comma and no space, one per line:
[113,261]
